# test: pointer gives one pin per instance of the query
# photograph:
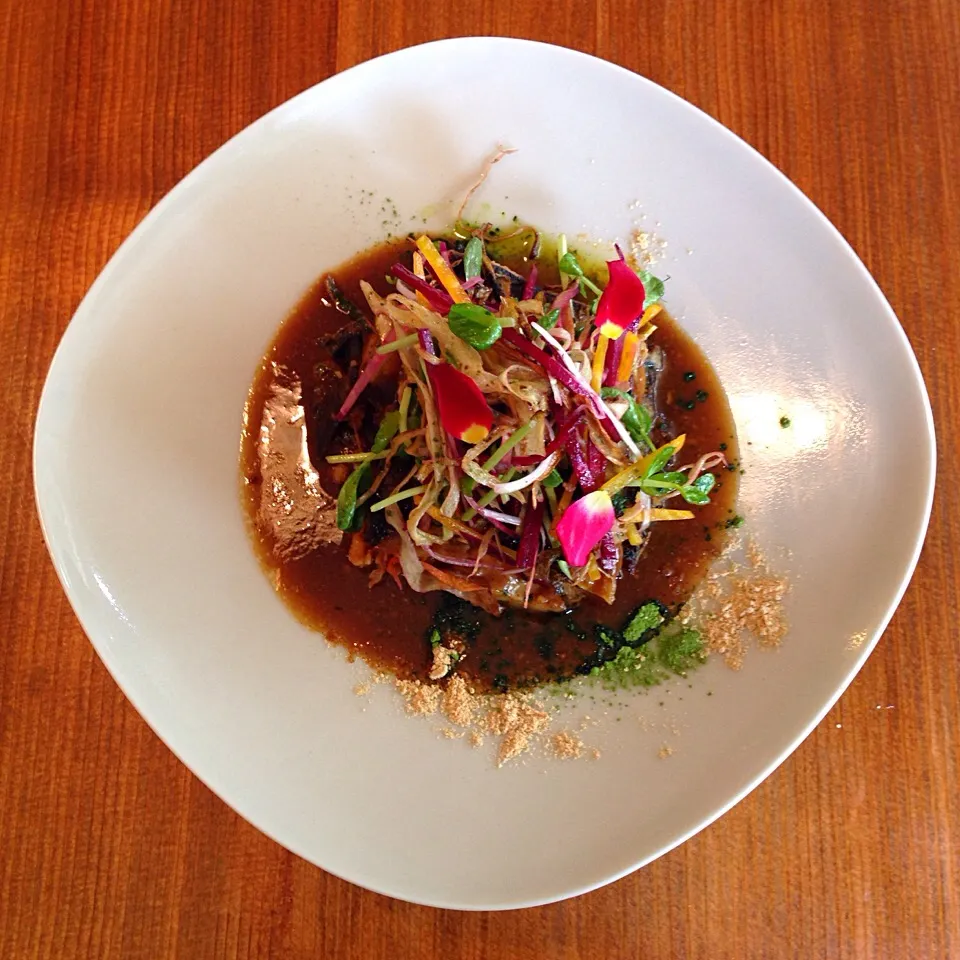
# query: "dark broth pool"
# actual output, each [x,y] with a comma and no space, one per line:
[389,627]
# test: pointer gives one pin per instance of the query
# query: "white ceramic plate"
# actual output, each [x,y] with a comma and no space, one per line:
[137,441]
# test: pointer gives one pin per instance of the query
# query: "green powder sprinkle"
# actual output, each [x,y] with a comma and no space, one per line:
[674,651]
[646,618]
[680,649]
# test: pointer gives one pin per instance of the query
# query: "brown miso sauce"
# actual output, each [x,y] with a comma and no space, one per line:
[389,627]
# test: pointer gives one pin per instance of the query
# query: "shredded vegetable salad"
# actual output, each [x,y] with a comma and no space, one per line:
[516,461]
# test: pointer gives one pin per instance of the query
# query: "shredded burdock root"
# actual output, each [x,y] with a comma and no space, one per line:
[738,601]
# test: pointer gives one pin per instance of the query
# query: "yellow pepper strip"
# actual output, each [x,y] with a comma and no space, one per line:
[439,266]
[631,342]
[638,469]
[650,313]
[599,359]
[659,513]
[633,535]
[450,522]
[646,327]
[453,524]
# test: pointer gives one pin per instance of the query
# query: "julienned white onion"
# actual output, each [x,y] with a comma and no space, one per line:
[472,469]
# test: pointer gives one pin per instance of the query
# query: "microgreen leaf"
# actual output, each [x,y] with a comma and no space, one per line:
[549,320]
[552,479]
[569,264]
[472,258]
[704,483]
[694,496]
[636,418]
[347,498]
[661,459]
[474,325]
[674,476]
[386,431]
[652,286]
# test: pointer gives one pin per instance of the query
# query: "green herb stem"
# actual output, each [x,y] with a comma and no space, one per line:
[508,444]
[488,497]
[356,457]
[401,343]
[561,253]
[397,497]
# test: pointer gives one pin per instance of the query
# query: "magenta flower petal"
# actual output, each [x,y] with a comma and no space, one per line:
[584,524]
[621,301]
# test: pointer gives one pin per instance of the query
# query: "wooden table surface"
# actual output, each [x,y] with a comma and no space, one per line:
[109,847]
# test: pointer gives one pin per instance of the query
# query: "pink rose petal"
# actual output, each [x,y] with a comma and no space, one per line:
[584,524]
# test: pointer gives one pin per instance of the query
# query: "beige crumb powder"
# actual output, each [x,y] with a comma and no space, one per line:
[516,721]
[665,751]
[459,702]
[645,249]
[362,689]
[422,699]
[566,745]
[737,602]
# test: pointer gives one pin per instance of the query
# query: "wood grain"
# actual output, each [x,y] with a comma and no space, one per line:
[110,848]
